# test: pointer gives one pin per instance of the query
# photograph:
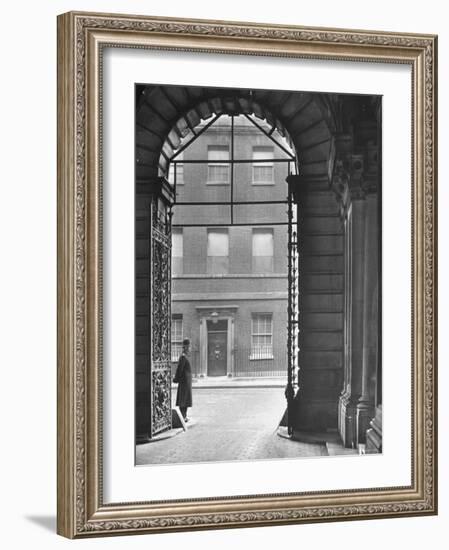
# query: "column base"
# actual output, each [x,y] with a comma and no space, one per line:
[374,433]
[365,413]
[347,421]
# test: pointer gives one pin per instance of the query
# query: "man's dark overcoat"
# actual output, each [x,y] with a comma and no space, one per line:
[183,377]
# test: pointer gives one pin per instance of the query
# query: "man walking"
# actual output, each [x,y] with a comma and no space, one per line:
[183,377]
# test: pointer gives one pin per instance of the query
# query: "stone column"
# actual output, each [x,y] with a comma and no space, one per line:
[354,210]
[354,325]
[374,432]
[365,405]
[346,324]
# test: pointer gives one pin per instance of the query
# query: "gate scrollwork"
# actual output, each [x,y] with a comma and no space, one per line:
[160,316]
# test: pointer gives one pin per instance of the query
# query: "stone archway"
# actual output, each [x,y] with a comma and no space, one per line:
[166,114]
[311,122]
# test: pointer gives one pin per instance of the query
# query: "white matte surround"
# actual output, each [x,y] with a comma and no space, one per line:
[123,481]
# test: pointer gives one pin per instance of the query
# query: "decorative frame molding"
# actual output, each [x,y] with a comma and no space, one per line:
[81,37]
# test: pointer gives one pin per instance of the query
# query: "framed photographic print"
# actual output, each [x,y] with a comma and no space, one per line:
[246,274]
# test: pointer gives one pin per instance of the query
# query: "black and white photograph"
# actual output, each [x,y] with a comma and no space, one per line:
[257,274]
[222,321]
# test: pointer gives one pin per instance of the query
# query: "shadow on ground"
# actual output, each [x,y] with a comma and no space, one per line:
[46,522]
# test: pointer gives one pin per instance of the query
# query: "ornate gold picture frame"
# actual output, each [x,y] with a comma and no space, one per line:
[82,509]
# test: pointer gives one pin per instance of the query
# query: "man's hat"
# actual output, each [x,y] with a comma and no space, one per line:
[186,342]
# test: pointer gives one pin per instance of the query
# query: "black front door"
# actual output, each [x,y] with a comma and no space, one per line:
[217,344]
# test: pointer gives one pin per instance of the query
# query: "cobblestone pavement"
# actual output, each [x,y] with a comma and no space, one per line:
[229,424]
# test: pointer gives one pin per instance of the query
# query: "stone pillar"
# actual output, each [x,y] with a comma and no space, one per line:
[320,304]
[365,405]
[356,182]
[374,432]
[348,183]
[370,404]
[354,325]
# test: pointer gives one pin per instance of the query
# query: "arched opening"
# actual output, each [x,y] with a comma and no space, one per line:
[169,121]
[233,278]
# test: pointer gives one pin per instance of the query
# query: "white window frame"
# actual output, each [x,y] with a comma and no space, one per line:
[255,231]
[180,232]
[210,154]
[267,151]
[178,341]
[268,353]
[208,255]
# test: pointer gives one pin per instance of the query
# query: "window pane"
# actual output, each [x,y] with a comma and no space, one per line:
[177,243]
[262,340]
[176,350]
[217,243]
[217,251]
[177,252]
[262,336]
[217,153]
[263,171]
[262,174]
[263,152]
[262,242]
[176,337]
[217,171]
[262,248]
[262,324]
[176,328]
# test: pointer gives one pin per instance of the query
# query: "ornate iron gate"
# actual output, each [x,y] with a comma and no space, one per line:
[160,311]
[292,308]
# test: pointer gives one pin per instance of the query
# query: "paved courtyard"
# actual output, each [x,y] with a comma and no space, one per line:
[237,423]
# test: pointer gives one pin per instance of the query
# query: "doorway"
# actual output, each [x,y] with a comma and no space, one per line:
[217,345]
